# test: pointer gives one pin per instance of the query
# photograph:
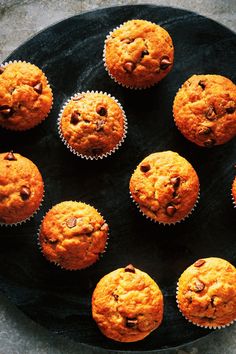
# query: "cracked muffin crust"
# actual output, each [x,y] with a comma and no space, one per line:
[73,235]
[93,124]
[138,54]
[205,109]
[165,186]
[127,305]
[25,96]
[21,188]
[206,293]
[234,191]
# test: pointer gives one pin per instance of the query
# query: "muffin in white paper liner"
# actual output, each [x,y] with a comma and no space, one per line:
[109,72]
[101,254]
[5,64]
[92,157]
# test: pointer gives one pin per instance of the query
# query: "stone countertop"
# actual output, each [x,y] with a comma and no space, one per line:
[20,19]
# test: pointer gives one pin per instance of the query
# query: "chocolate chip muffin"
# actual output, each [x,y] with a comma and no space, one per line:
[206,293]
[25,96]
[205,110]
[21,188]
[127,305]
[165,187]
[73,235]
[234,192]
[138,54]
[92,124]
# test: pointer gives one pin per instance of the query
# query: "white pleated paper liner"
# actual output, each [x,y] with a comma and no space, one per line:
[22,130]
[161,222]
[89,157]
[197,324]
[101,254]
[29,217]
[108,71]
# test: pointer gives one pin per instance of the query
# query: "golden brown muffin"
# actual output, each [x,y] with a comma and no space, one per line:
[165,186]
[205,110]
[25,96]
[138,54]
[206,293]
[73,235]
[21,188]
[93,124]
[127,304]
[234,191]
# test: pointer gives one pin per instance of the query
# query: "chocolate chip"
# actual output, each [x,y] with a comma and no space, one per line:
[6,111]
[202,84]
[230,110]
[38,88]
[131,322]
[211,113]
[165,63]
[199,286]
[74,119]
[144,52]
[25,192]
[97,151]
[129,66]
[101,110]
[199,262]
[2,70]
[10,156]
[71,222]
[130,268]
[145,167]
[116,297]
[100,124]
[170,210]
[209,143]
[204,131]
[175,181]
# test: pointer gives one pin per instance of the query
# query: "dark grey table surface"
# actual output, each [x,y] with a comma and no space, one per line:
[20,19]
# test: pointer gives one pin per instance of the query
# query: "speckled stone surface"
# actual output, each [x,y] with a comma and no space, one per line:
[18,21]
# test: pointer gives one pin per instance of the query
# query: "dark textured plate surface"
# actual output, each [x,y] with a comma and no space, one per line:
[70,53]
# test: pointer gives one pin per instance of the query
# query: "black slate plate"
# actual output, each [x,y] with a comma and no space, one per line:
[70,52]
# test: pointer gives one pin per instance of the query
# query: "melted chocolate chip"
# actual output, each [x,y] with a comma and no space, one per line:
[145,167]
[129,66]
[202,84]
[230,110]
[130,268]
[211,113]
[38,88]
[116,297]
[199,262]
[25,192]
[209,143]
[170,210]
[2,70]
[204,131]
[101,110]
[175,181]
[144,52]
[10,156]
[71,222]
[199,286]
[165,63]
[74,119]
[6,111]
[131,322]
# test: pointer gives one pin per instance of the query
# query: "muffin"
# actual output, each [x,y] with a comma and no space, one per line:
[73,235]
[127,305]
[234,192]
[206,293]
[21,188]
[92,124]
[138,54]
[25,96]
[165,187]
[205,110]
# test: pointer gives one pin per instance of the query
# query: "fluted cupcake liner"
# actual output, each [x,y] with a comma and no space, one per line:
[197,324]
[101,254]
[106,68]
[161,222]
[23,61]
[88,157]
[29,218]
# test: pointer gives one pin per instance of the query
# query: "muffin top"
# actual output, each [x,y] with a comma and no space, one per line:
[205,109]
[73,235]
[25,96]
[93,124]
[165,186]
[21,188]
[234,190]
[139,53]
[207,292]
[127,304]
